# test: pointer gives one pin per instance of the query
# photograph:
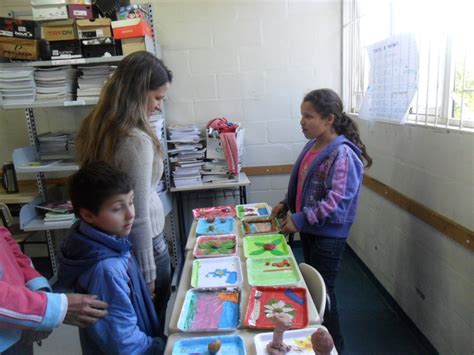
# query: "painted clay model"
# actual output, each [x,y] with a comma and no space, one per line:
[322,342]
[214,347]
[282,322]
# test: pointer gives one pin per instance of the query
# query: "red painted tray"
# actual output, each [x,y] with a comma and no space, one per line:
[214,212]
[265,301]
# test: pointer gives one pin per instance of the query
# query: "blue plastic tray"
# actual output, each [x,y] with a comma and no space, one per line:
[221,225]
[231,345]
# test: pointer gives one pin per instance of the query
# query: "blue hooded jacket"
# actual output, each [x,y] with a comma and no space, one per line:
[330,190]
[97,263]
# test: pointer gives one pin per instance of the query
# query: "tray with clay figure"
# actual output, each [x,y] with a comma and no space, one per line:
[261,209]
[260,225]
[264,246]
[230,345]
[217,211]
[299,340]
[215,226]
[265,302]
[212,246]
[274,271]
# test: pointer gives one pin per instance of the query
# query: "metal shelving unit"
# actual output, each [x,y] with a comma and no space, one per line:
[29,219]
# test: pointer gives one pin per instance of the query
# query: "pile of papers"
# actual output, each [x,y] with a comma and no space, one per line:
[157,123]
[91,79]
[216,171]
[17,86]
[57,212]
[56,83]
[186,154]
[59,145]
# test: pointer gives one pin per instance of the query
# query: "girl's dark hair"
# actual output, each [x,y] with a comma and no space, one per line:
[327,102]
[94,183]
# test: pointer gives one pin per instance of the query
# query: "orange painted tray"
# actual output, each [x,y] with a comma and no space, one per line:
[267,301]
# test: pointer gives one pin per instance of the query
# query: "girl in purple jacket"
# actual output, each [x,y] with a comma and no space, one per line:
[323,190]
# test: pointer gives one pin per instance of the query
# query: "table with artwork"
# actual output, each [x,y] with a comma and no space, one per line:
[238,272]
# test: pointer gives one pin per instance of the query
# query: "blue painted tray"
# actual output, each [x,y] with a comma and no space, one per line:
[231,345]
[218,226]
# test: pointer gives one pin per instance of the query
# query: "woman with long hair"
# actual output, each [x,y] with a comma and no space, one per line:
[118,131]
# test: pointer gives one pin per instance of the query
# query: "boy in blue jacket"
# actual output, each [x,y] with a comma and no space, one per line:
[97,258]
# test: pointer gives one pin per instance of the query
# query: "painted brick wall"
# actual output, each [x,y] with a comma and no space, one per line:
[429,275]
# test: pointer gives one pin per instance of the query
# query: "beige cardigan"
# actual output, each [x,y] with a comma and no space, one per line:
[137,157]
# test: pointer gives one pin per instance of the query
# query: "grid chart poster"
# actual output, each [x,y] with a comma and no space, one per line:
[393,79]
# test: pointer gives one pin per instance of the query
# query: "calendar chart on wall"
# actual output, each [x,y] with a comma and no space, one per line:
[393,79]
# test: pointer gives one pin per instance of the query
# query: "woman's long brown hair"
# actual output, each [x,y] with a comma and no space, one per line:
[122,106]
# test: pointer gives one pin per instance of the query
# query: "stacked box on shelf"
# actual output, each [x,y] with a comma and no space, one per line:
[49,9]
[135,34]
[63,39]
[96,37]
[18,39]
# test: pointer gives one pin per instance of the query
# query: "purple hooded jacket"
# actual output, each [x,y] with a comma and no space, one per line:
[330,191]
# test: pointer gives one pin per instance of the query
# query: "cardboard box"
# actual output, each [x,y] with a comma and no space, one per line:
[130,45]
[132,11]
[79,2]
[131,28]
[95,28]
[80,11]
[66,49]
[50,12]
[12,27]
[17,48]
[98,47]
[214,149]
[59,30]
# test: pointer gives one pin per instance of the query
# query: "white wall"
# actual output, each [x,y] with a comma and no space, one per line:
[250,61]
[429,275]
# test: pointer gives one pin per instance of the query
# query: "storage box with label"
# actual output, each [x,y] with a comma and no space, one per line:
[48,2]
[17,48]
[131,28]
[96,28]
[59,30]
[80,11]
[98,47]
[26,29]
[130,45]
[66,49]
[49,12]
[6,26]
[79,2]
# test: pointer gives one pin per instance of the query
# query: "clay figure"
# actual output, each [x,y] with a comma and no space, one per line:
[269,246]
[214,347]
[210,219]
[322,342]
[282,323]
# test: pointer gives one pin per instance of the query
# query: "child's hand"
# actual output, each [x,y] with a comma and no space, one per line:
[287,226]
[279,211]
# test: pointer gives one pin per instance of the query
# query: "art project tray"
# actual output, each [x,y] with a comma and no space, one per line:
[260,225]
[274,271]
[221,225]
[231,345]
[212,246]
[264,246]
[217,272]
[266,301]
[217,211]
[210,310]
[299,340]
[261,209]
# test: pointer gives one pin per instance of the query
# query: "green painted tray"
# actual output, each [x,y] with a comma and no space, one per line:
[275,271]
[264,246]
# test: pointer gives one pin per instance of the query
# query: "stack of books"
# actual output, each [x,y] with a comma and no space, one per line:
[56,83]
[91,79]
[186,155]
[57,212]
[17,86]
[59,145]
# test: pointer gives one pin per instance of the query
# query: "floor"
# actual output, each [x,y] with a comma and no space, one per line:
[362,303]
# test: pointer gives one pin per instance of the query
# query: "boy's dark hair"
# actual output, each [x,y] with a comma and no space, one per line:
[94,183]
